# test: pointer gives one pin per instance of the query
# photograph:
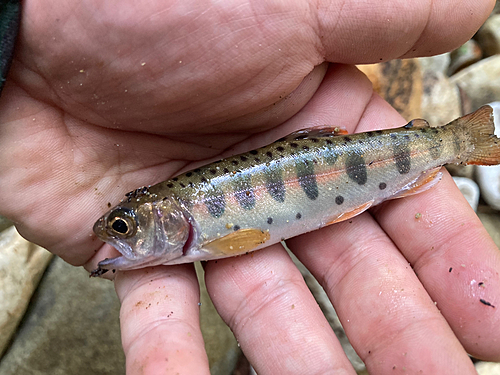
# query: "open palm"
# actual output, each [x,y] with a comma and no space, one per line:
[104,97]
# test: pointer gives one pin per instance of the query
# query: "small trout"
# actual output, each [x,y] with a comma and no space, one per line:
[300,183]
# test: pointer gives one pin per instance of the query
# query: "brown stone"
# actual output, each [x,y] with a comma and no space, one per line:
[399,82]
[21,266]
[488,36]
[465,55]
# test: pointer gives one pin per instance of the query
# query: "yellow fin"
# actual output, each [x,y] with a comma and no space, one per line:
[238,242]
[422,183]
[349,214]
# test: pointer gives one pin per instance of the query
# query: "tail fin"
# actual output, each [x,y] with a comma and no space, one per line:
[481,128]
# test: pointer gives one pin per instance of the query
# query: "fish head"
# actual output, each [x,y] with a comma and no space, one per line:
[146,234]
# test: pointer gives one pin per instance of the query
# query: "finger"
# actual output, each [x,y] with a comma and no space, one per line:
[386,313]
[159,321]
[279,325]
[385,30]
[455,259]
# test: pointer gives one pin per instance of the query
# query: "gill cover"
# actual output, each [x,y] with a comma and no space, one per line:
[146,234]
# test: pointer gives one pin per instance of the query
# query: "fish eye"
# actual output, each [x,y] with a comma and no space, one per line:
[121,223]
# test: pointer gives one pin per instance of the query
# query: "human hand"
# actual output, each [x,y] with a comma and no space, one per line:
[104,97]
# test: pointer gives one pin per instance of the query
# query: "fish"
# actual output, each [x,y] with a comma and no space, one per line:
[300,183]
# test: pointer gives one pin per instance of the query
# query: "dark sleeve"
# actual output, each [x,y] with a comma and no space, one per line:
[10,12]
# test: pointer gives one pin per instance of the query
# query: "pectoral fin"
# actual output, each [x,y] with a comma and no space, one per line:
[238,242]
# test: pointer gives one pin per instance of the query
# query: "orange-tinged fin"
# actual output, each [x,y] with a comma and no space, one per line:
[238,242]
[317,132]
[481,127]
[422,183]
[417,123]
[349,214]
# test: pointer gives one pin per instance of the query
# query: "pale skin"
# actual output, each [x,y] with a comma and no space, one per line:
[104,97]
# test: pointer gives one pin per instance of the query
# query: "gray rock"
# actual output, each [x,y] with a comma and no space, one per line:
[21,266]
[480,81]
[71,327]
[4,223]
[438,63]
[488,36]
[491,222]
[465,55]
[469,189]
[488,368]
[440,98]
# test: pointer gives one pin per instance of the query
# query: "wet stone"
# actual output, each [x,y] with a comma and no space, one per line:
[488,36]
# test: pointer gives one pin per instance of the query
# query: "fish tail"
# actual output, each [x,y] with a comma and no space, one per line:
[481,128]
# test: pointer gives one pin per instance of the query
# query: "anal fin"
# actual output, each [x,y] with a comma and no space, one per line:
[422,183]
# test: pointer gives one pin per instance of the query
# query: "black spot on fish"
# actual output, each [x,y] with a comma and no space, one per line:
[257,160]
[225,170]
[378,131]
[170,185]
[254,152]
[298,216]
[382,185]
[339,199]
[197,170]
[280,149]
[269,220]
[236,227]
[369,134]
[435,131]
[392,135]
[234,162]
[402,157]
[315,140]
[274,184]
[356,168]
[347,139]
[269,154]
[182,185]
[423,130]
[294,145]
[203,179]
[213,171]
[189,174]
[174,179]
[243,158]
[305,148]
[215,202]
[190,184]
[307,178]
[243,191]
[406,136]
[329,142]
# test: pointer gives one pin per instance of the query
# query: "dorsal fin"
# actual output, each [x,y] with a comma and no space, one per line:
[317,132]
[417,123]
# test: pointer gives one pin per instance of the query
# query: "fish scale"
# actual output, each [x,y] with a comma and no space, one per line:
[300,183]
